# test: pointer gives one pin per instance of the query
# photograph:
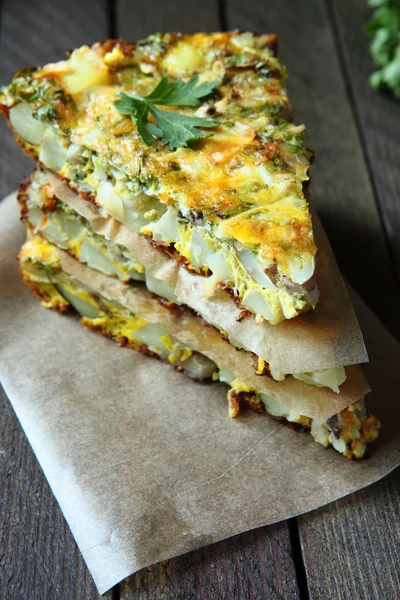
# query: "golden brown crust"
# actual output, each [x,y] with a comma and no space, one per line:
[212,177]
[22,197]
[120,340]
[262,371]
[45,293]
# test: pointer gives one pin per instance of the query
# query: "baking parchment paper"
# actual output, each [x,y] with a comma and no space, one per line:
[326,337]
[317,402]
[146,464]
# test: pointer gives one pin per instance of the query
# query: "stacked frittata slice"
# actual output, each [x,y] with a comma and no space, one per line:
[168,210]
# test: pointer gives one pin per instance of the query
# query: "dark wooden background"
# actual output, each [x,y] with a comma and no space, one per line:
[349,549]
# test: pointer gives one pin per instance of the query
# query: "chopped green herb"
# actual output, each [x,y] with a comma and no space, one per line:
[295,141]
[47,112]
[297,150]
[32,90]
[149,181]
[278,163]
[274,109]
[154,42]
[242,60]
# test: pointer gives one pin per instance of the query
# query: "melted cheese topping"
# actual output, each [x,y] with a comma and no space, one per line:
[244,182]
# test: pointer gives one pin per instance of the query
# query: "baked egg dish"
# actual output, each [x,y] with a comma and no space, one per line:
[45,214]
[168,212]
[348,432]
[215,178]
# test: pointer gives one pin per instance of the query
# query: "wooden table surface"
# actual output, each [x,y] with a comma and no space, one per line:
[349,549]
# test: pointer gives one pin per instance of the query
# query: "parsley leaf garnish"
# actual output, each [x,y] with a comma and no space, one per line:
[172,128]
[177,93]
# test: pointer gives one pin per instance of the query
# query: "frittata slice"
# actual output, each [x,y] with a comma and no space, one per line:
[348,432]
[43,212]
[216,178]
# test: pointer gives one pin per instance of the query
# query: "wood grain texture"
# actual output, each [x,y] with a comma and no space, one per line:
[38,555]
[378,114]
[136,20]
[341,188]
[345,545]
[255,565]
[352,547]
[34,32]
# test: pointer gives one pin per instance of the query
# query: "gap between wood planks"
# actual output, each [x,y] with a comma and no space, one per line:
[112,18]
[293,526]
[222,16]
[301,575]
[299,566]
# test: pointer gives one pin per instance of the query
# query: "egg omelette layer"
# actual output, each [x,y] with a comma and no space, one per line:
[43,212]
[231,205]
[348,432]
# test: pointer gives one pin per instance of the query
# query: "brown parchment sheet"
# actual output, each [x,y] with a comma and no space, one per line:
[324,338]
[145,463]
[317,402]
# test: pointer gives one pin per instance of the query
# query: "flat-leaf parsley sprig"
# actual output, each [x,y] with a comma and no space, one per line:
[172,128]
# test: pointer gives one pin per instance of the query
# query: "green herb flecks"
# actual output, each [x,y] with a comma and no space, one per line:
[172,128]
[277,162]
[44,113]
[245,59]
[294,140]
[384,28]
[43,94]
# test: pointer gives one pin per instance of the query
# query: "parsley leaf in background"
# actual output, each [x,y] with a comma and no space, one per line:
[384,28]
[172,128]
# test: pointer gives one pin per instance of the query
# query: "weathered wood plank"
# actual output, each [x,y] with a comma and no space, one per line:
[360,535]
[341,187]
[38,555]
[136,20]
[257,565]
[345,545]
[352,548]
[378,114]
[31,33]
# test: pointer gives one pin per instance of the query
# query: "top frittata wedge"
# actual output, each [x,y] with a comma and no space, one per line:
[187,139]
